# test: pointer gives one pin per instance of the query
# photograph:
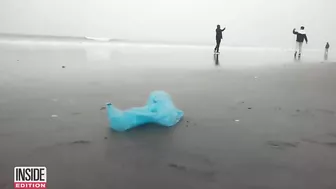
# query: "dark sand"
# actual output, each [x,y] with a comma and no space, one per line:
[259,120]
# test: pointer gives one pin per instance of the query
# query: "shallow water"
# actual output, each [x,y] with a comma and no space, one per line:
[256,120]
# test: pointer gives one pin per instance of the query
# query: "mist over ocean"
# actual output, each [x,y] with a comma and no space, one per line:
[257,23]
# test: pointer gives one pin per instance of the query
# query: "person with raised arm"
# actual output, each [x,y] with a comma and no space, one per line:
[219,37]
[300,37]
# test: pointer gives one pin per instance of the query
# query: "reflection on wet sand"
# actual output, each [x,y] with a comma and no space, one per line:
[94,53]
[216,60]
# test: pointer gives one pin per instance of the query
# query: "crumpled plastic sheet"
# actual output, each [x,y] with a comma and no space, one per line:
[159,109]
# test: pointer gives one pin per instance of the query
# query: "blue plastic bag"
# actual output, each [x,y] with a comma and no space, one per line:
[160,109]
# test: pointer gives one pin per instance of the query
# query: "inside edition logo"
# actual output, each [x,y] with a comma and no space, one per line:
[30,177]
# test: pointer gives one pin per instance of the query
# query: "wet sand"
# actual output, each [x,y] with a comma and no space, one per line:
[258,120]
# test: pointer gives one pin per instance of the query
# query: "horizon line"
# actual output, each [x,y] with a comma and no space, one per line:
[106,40]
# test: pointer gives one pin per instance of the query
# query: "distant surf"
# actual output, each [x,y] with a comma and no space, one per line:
[49,39]
[98,39]
[46,38]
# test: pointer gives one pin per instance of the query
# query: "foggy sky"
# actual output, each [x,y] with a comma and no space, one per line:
[265,23]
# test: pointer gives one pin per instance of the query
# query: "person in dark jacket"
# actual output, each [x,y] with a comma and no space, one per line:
[219,37]
[327,47]
[300,37]
[326,51]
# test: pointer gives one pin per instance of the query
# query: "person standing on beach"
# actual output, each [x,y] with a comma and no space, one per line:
[326,51]
[300,37]
[219,38]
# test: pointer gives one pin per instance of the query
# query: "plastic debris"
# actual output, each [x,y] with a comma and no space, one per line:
[236,120]
[159,110]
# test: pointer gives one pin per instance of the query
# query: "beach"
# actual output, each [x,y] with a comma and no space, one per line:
[254,119]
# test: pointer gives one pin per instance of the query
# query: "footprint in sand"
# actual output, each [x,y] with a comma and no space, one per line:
[282,145]
[328,143]
[76,113]
[325,111]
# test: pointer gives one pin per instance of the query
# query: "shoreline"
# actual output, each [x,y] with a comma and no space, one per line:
[41,39]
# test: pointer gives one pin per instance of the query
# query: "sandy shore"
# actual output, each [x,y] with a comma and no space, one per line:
[258,120]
